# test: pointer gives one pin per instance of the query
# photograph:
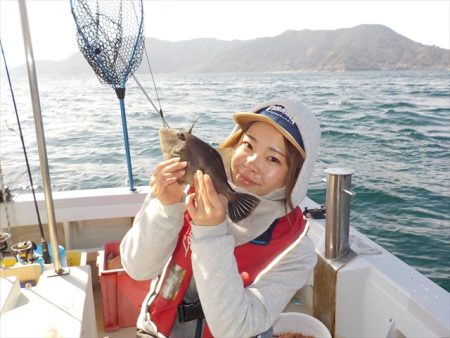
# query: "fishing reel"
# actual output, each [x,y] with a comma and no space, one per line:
[25,251]
[315,213]
[4,237]
[7,197]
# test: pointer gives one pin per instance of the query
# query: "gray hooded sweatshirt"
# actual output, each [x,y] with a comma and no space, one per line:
[230,309]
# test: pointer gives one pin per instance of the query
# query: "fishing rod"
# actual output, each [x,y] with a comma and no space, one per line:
[45,252]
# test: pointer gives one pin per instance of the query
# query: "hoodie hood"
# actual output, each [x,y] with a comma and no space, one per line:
[272,206]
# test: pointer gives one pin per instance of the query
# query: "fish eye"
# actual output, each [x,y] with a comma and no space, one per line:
[181,136]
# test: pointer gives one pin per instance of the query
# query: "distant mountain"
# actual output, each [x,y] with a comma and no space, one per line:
[364,47]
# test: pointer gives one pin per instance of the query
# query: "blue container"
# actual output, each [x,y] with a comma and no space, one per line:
[62,254]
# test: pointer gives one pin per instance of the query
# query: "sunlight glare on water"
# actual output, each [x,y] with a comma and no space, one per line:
[392,128]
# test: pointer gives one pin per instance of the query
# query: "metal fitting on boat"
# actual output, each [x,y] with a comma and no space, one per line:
[5,195]
[337,223]
[4,237]
[336,251]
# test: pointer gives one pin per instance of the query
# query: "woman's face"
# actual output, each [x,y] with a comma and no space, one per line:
[259,163]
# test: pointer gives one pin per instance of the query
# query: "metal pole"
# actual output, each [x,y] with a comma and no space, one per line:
[32,79]
[337,223]
[337,251]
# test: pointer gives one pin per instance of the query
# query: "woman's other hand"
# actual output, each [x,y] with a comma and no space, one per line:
[164,183]
[206,206]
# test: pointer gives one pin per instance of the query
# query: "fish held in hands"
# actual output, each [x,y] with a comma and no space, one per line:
[201,156]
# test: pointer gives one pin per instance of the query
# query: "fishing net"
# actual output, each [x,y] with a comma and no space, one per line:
[110,35]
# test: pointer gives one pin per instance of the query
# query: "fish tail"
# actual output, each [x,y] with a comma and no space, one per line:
[241,205]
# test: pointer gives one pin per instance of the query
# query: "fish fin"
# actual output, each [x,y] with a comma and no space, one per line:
[241,206]
[193,124]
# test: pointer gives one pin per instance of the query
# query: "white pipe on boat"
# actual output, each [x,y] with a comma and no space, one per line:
[40,136]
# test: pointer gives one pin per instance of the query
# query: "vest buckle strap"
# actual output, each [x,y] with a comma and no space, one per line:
[190,311]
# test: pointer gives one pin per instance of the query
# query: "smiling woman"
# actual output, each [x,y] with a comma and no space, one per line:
[227,269]
[260,160]
[262,142]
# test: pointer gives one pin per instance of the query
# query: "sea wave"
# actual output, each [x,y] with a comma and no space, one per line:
[391,127]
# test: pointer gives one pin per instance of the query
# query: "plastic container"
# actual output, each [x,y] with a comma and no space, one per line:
[296,322]
[62,255]
[122,296]
[76,257]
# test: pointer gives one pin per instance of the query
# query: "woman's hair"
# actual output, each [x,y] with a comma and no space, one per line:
[294,162]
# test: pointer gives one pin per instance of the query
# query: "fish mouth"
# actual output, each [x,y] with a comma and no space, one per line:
[170,153]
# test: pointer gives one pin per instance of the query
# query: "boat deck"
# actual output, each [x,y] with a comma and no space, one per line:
[376,294]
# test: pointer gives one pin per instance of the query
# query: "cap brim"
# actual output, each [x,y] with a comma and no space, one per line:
[243,118]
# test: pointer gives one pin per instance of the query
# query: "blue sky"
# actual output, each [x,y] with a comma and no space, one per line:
[53,29]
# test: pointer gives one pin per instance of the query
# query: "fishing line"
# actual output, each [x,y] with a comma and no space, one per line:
[160,112]
[45,253]
[151,73]
[154,86]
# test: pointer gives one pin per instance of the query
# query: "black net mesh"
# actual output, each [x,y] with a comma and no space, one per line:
[110,35]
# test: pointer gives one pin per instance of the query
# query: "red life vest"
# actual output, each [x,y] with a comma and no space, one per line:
[252,259]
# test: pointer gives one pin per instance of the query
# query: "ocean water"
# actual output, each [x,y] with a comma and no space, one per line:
[392,128]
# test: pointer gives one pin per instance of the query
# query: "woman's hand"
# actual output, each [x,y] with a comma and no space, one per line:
[164,183]
[206,206]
